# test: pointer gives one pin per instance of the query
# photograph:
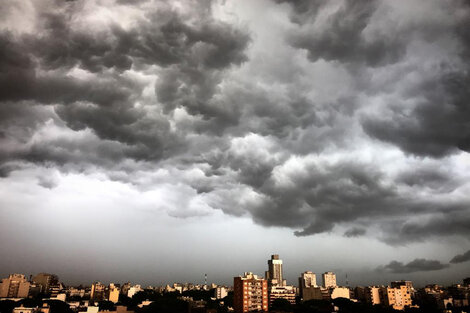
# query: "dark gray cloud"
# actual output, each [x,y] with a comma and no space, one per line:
[355,232]
[191,57]
[356,34]
[439,123]
[343,37]
[417,265]
[187,93]
[460,258]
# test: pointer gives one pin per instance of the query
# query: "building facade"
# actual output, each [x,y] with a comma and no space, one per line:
[113,293]
[329,279]
[274,274]
[221,292]
[98,291]
[398,298]
[306,280]
[46,281]
[281,292]
[15,286]
[250,293]
[372,295]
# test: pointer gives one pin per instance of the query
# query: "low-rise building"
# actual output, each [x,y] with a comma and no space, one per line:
[220,292]
[281,292]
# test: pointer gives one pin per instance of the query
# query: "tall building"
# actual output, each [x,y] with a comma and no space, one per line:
[113,293]
[306,280]
[46,281]
[372,295]
[398,298]
[98,291]
[250,293]
[15,286]
[274,273]
[329,279]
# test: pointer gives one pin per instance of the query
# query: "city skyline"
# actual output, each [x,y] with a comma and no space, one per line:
[320,279]
[157,141]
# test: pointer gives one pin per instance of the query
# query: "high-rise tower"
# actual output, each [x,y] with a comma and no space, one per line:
[274,273]
[329,279]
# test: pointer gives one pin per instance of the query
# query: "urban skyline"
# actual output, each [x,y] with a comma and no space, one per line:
[46,293]
[158,141]
[322,278]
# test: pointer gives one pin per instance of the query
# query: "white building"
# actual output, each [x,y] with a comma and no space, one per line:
[133,290]
[308,279]
[274,274]
[281,292]
[329,279]
[339,292]
[221,292]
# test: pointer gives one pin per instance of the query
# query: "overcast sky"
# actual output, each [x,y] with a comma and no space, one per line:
[160,140]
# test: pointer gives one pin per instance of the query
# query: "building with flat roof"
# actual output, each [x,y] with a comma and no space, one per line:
[398,298]
[15,286]
[281,292]
[98,291]
[46,281]
[306,280]
[250,293]
[329,279]
[113,293]
[274,273]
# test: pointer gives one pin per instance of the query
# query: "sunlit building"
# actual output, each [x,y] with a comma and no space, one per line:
[398,298]
[274,273]
[98,291]
[113,293]
[15,286]
[281,292]
[307,280]
[372,295]
[329,279]
[250,293]
[221,292]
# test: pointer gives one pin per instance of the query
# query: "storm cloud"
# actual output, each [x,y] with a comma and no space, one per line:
[417,265]
[340,117]
[460,258]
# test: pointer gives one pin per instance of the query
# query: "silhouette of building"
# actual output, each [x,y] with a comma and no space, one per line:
[46,281]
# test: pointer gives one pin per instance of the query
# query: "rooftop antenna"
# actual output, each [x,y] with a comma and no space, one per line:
[205,279]
[347,281]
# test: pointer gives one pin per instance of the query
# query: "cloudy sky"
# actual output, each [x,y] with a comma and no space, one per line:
[160,140]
